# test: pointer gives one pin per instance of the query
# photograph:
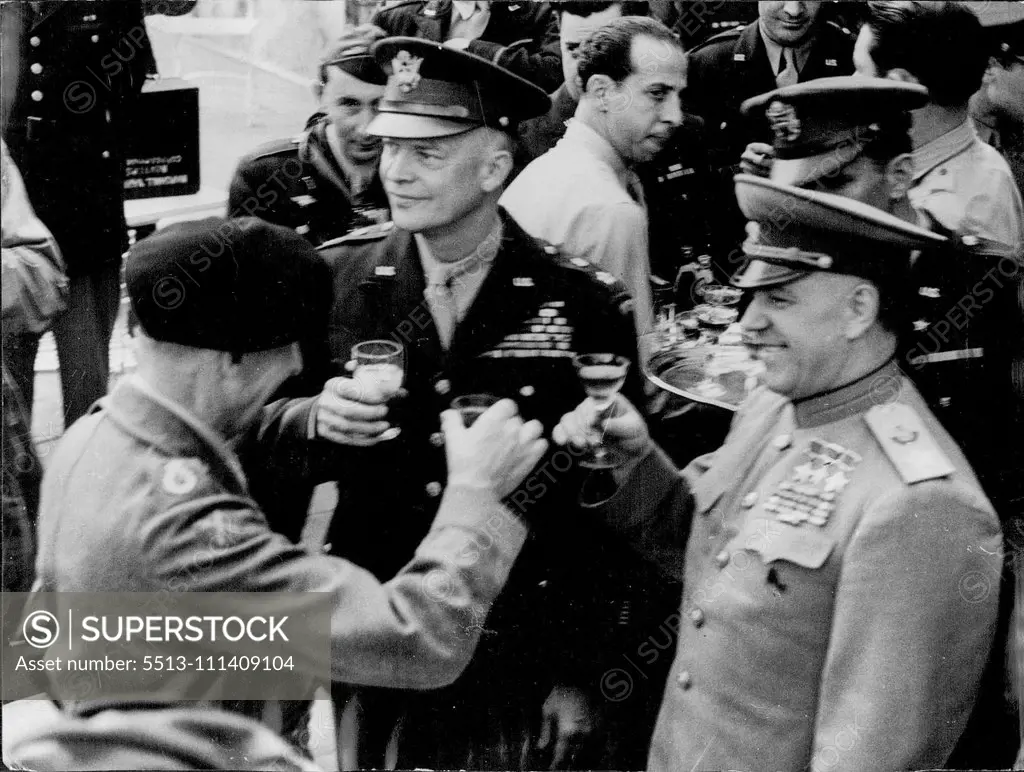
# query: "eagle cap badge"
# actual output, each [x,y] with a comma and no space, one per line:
[784,121]
[406,70]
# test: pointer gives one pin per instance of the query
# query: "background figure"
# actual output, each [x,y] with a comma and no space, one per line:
[81,66]
[521,37]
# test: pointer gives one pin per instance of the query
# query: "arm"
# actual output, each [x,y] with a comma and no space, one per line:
[537,58]
[913,622]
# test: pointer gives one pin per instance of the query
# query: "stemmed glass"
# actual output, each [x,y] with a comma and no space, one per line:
[602,376]
[381,362]
[472,406]
[719,299]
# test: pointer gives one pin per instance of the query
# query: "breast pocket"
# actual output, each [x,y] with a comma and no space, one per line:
[785,561]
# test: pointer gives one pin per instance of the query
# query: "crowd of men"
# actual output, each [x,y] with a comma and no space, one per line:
[498,188]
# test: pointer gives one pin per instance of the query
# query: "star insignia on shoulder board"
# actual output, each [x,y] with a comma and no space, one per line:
[406,70]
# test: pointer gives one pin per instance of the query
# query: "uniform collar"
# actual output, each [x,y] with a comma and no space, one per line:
[466,8]
[872,389]
[774,50]
[438,272]
[943,148]
[162,423]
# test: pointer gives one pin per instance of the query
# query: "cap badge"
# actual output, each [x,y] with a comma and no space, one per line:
[406,70]
[784,122]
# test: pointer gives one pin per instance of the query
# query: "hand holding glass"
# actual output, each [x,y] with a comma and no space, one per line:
[472,406]
[382,363]
[602,376]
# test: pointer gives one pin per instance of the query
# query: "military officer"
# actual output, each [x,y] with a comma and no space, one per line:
[323,182]
[479,306]
[147,492]
[838,541]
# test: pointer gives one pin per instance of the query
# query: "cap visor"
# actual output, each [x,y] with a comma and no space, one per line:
[758,273]
[405,126]
[800,172]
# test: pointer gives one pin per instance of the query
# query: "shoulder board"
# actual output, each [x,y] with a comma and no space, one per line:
[728,35]
[278,147]
[373,232]
[846,32]
[908,443]
[616,292]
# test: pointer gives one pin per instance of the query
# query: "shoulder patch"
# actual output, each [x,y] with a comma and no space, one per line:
[908,443]
[180,477]
[373,232]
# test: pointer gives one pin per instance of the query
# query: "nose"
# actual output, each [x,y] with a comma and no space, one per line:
[295,362]
[672,112]
[362,120]
[394,164]
[793,9]
[754,318]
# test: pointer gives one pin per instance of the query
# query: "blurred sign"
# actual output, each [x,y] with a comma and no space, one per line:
[162,146]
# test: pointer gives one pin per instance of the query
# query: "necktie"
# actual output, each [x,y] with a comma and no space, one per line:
[443,308]
[788,73]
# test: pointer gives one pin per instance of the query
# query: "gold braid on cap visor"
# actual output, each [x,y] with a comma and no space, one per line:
[790,257]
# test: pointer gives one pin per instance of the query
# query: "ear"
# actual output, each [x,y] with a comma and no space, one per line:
[862,310]
[899,173]
[598,88]
[902,75]
[496,166]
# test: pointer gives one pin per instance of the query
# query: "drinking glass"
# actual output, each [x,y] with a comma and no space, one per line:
[472,406]
[602,376]
[381,362]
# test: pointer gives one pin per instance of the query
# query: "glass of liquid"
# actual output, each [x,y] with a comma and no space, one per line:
[602,376]
[472,406]
[382,363]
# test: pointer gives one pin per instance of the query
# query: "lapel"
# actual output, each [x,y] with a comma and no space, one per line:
[757,69]
[433,20]
[821,62]
[502,303]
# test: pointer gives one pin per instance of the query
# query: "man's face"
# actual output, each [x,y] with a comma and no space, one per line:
[796,330]
[351,104]
[1004,88]
[573,30]
[434,183]
[863,64]
[788,24]
[644,109]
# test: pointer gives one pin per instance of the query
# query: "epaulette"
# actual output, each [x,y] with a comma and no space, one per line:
[730,34]
[908,443]
[618,293]
[277,147]
[373,232]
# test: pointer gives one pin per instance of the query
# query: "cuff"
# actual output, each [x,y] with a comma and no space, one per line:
[646,481]
[479,510]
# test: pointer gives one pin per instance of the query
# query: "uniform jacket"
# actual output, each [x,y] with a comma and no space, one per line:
[298,183]
[82,66]
[140,496]
[854,645]
[521,37]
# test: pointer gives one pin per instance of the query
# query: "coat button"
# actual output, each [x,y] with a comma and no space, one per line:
[722,559]
[697,617]
[433,489]
[37,96]
[783,441]
[36,68]
[34,41]
[527,391]
[684,680]
[443,386]
[750,500]
[95,38]
[437,439]
[105,154]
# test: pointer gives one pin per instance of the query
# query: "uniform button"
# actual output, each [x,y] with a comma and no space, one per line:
[437,439]
[95,38]
[722,559]
[37,96]
[749,500]
[443,386]
[36,68]
[34,41]
[697,617]
[105,154]
[433,489]
[527,391]
[684,680]
[783,441]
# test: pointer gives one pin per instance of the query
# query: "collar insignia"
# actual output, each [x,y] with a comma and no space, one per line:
[784,121]
[406,70]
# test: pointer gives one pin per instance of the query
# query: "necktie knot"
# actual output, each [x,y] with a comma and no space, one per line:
[788,74]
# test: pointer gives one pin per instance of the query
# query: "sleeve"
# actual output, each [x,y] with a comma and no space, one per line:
[416,631]
[995,211]
[34,284]
[913,623]
[537,58]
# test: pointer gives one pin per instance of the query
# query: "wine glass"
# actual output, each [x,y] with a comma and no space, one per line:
[472,406]
[381,362]
[602,376]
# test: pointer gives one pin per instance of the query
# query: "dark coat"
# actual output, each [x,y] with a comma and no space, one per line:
[522,37]
[297,183]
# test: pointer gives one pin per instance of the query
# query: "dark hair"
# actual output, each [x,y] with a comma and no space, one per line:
[888,137]
[585,8]
[607,51]
[942,44]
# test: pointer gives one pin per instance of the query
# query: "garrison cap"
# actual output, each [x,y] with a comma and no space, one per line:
[351,53]
[798,231]
[238,285]
[434,91]
[830,116]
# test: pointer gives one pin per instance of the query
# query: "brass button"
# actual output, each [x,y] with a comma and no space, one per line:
[697,617]
[684,680]
[527,391]
[433,489]
[783,441]
[34,41]
[749,500]
[437,439]
[722,559]
[36,68]
[37,96]
[443,386]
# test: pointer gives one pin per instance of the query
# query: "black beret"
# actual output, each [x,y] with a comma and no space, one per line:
[238,285]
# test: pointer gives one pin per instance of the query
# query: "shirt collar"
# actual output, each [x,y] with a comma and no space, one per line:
[437,272]
[580,134]
[943,148]
[774,50]
[466,8]
[849,400]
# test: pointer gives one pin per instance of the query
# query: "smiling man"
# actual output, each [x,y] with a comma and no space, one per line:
[828,623]
[583,194]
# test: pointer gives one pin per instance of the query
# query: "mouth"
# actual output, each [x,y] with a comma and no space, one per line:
[761,350]
[403,201]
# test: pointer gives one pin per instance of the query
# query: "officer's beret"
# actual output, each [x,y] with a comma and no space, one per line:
[434,91]
[351,53]
[836,116]
[799,231]
[238,285]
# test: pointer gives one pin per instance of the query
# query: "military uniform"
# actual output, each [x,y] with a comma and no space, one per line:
[298,183]
[521,37]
